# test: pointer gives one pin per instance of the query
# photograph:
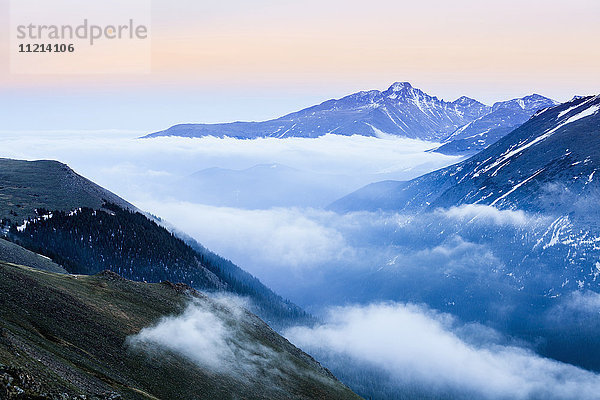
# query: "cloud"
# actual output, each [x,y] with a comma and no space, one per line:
[156,168]
[317,257]
[584,301]
[289,238]
[474,213]
[578,310]
[197,334]
[416,346]
[211,334]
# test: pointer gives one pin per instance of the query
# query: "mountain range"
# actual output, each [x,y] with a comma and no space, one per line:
[508,238]
[464,125]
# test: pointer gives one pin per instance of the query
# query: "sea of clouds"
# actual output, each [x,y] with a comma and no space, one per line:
[139,169]
[341,267]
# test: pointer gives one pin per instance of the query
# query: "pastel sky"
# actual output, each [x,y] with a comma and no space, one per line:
[240,60]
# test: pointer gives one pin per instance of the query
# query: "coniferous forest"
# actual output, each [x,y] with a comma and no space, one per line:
[88,241]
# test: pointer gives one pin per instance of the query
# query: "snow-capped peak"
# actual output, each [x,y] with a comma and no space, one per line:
[399,86]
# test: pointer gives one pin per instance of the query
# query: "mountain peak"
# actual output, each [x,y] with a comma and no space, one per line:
[466,100]
[532,102]
[398,86]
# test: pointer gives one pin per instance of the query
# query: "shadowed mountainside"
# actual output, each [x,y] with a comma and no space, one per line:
[63,336]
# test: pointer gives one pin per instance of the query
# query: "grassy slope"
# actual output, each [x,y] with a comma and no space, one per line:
[27,185]
[16,254]
[67,334]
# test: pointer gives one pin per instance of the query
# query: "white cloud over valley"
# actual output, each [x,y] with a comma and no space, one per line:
[417,346]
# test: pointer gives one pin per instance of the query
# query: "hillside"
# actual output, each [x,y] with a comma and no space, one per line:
[15,254]
[118,238]
[28,185]
[64,336]
[87,241]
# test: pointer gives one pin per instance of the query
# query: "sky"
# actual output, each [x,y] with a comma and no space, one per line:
[238,60]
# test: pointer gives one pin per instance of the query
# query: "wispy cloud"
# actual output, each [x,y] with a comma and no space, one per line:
[214,335]
[475,213]
[308,244]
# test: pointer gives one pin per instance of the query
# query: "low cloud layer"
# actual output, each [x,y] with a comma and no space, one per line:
[296,250]
[431,353]
[156,168]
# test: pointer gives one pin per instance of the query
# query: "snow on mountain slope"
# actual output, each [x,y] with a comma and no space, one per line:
[504,117]
[545,175]
[556,152]
[548,164]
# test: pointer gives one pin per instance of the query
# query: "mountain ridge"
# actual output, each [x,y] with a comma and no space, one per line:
[503,117]
[28,185]
[400,110]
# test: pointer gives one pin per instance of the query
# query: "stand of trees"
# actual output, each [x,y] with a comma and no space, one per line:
[88,241]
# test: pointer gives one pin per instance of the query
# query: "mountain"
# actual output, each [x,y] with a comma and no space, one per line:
[547,168]
[502,119]
[400,110]
[96,337]
[548,164]
[464,125]
[28,185]
[508,238]
[72,223]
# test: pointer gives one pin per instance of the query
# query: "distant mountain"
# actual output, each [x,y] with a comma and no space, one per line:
[548,164]
[61,208]
[265,186]
[400,110]
[465,125]
[70,337]
[502,119]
